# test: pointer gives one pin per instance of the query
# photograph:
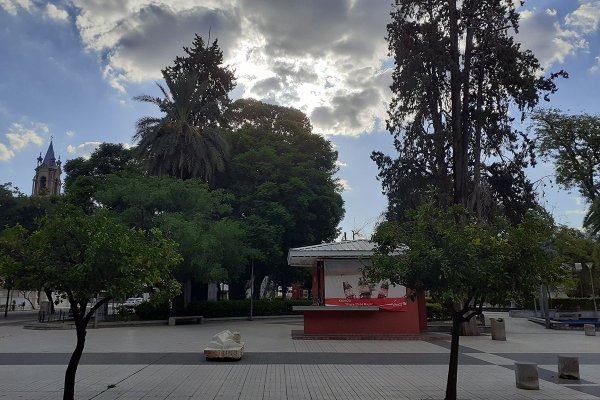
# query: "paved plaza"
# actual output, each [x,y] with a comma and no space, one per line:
[161,362]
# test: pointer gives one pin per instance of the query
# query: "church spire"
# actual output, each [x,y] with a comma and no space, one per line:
[47,174]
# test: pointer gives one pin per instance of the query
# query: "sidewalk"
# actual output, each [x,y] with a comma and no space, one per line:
[162,362]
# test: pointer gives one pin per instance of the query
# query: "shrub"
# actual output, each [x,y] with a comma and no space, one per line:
[573,303]
[153,309]
[436,312]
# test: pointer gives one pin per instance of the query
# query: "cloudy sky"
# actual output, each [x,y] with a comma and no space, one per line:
[70,68]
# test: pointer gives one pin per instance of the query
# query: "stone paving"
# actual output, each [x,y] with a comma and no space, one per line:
[161,362]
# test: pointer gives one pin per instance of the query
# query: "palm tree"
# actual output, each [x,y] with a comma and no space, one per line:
[592,219]
[172,145]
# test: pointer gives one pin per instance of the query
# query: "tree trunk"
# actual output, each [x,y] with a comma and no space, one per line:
[451,383]
[69,391]
[6,305]
[49,296]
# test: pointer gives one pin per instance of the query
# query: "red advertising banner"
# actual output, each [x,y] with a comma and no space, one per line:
[394,304]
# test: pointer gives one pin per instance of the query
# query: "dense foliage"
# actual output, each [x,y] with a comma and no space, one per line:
[173,144]
[282,180]
[206,63]
[450,109]
[573,143]
[81,257]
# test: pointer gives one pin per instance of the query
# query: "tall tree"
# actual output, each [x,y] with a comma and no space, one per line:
[212,241]
[82,256]
[174,144]
[85,175]
[573,143]
[282,179]
[458,73]
[206,62]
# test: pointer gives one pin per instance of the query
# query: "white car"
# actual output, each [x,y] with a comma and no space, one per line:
[133,302]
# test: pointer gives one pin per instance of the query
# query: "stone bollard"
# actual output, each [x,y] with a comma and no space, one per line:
[568,367]
[526,374]
[590,329]
[498,329]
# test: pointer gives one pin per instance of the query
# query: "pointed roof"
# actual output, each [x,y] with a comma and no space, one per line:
[49,158]
[305,256]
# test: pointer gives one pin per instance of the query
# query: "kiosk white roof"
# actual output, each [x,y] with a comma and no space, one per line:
[306,256]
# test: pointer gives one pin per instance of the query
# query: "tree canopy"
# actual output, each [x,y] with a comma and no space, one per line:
[206,63]
[450,113]
[282,181]
[81,257]
[572,142]
[174,144]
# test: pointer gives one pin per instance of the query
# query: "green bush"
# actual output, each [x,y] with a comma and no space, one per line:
[241,308]
[436,312]
[573,303]
[153,309]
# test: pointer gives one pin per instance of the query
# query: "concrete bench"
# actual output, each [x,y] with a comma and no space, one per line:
[198,319]
[526,375]
[567,315]
[568,367]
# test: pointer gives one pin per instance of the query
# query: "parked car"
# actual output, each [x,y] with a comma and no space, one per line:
[133,302]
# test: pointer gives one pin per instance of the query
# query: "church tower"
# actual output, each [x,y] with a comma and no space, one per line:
[47,174]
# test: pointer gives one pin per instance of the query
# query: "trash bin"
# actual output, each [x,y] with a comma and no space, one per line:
[498,329]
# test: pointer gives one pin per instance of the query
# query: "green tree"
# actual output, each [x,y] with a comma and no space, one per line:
[572,142]
[282,179]
[83,176]
[205,62]
[211,240]
[592,218]
[573,246]
[465,265]
[82,256]
[174,144]
[458,72]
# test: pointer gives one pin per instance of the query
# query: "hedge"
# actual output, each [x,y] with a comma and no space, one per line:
[152,310]
[573,303]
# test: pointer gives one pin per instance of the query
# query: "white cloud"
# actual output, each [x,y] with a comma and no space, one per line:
[56,13]
[12,6]
[344,185]
[84,149]
[20,137]
[596,67]
[276,58]
[340,164]
[70,133]
[551,42]
[5,153]
[586,18]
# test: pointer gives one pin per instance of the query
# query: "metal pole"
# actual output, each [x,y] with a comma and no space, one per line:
[251,290]
[593,291]
[544,301]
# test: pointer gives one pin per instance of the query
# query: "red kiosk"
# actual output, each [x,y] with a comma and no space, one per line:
[345,304]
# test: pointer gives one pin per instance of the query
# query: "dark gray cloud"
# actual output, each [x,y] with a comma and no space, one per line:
[139,44]
[266,86]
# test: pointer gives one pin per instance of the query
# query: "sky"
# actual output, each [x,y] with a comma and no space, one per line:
[70,68]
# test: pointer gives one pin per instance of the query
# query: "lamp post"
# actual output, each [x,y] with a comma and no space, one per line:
[590,265]
[251,290]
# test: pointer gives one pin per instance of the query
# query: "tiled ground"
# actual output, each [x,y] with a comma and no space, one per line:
[166,363]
